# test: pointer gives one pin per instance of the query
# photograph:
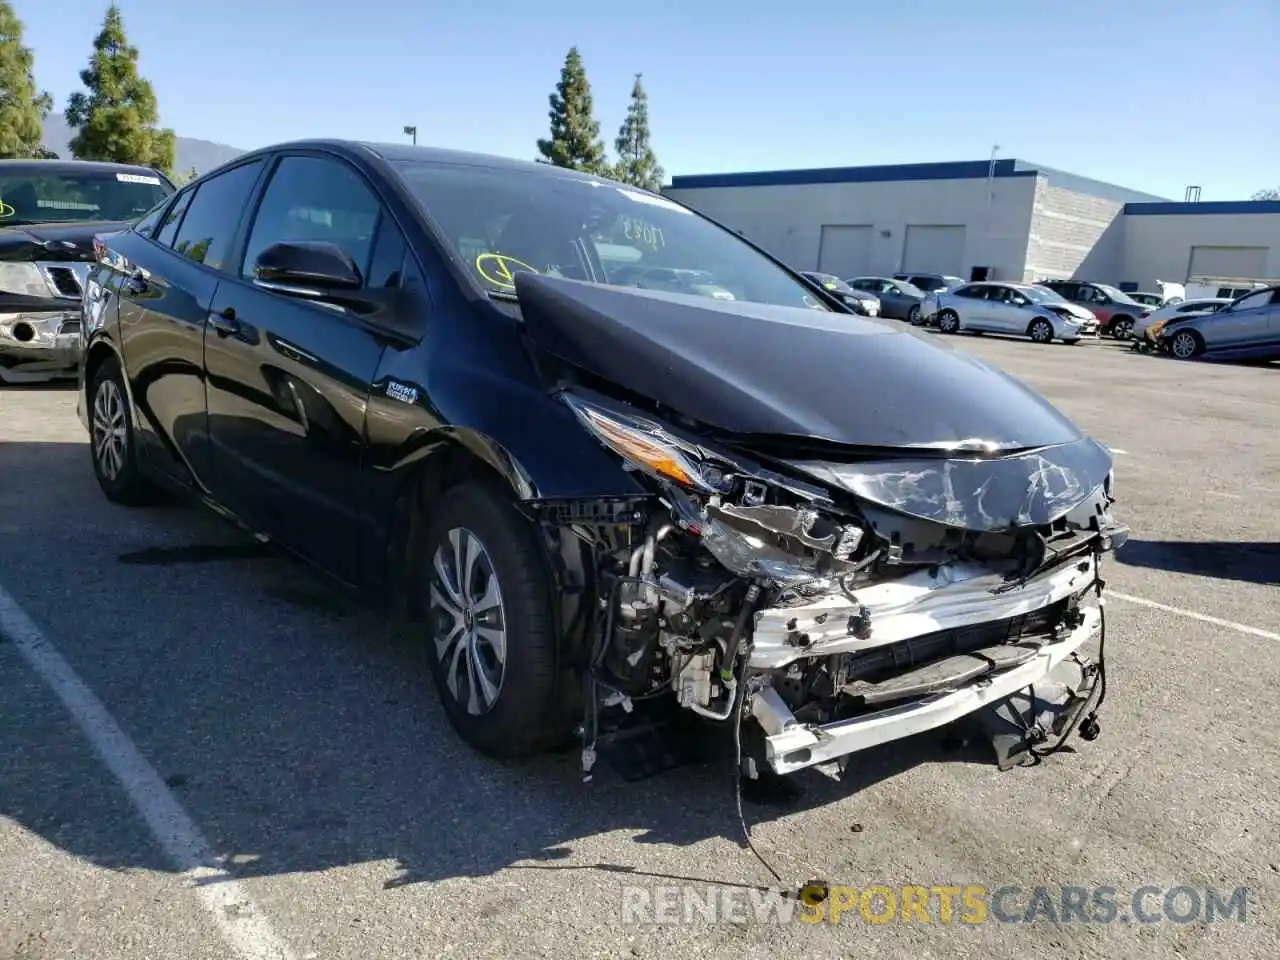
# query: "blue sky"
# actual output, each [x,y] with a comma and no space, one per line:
[1151,94]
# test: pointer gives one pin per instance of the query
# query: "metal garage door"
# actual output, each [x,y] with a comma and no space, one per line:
[845,250]
[934,249]
[1228,262]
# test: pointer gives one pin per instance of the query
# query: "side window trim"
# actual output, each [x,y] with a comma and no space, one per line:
[237,235]
[164,207]
[385,210]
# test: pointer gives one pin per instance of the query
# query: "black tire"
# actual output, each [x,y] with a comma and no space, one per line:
[115,458]
[913,316]
[522,718]
[1040,330]
[949,321]
[1186,345]
[1121,328]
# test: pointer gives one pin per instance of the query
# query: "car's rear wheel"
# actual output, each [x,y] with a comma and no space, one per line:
[493,645]
[948,321]
[1121,328]
[1040,330]
[913,316]
[112,443]
[1186,345]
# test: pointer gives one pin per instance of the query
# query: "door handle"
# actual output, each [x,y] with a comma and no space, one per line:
[136,282]
[224,322]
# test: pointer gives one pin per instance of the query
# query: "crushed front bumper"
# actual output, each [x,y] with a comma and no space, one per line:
[792,746]
[39,345]
[916,606]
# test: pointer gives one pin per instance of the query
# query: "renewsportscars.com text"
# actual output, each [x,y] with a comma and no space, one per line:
[936,904]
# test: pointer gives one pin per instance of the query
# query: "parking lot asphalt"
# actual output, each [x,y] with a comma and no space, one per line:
[303,741]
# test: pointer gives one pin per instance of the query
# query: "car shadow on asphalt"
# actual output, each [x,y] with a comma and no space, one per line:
[1247,561]
[305,734]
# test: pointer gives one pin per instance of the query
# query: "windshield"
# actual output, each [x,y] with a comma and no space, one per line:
[952,282]
[909,288]
[1118,295]
[34,196]
[1042,295]
[500,221]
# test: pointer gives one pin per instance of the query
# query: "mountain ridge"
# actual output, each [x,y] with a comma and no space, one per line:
[190,152]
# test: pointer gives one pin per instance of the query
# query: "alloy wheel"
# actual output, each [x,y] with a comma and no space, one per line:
[948,322]
[1184,346]
[1041,331]
[468,617]
[913,315]
[110,431]
[1122,330]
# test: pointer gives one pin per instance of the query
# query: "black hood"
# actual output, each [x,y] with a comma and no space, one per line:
[767,371]
[55,241]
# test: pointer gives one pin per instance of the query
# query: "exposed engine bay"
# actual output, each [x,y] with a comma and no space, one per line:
[837,599]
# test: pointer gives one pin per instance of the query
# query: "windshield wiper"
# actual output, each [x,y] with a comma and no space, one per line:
[504,295]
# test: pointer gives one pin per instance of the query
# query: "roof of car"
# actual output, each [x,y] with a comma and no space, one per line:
[76,166]
[398,152]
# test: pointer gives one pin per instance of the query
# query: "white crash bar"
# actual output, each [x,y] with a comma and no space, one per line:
[948,597]
[791,746]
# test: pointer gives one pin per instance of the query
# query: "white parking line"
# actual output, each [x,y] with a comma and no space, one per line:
[1202,617]
[239,920]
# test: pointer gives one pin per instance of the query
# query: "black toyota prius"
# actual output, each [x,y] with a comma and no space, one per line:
[599,451]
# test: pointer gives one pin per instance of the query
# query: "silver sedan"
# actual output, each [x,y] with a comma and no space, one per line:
[1015,308]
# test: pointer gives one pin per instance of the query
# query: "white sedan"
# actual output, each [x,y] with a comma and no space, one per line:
[1017,308]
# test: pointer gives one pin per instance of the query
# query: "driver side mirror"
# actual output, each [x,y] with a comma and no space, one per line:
[306,268]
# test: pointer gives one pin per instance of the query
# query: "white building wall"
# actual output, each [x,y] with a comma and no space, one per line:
[788,220]
[1159,246]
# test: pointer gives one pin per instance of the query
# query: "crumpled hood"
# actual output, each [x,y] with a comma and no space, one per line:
[755,369]
[55,241]
[1083,313]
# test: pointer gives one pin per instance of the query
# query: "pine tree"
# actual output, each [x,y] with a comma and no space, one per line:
[22,107]
[117,118]
[575,134]
[637,163]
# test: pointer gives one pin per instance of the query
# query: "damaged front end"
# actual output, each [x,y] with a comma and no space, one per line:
[837,598]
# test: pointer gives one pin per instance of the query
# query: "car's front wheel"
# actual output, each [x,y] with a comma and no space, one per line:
[112,442]
[948,321]
[1186,345]
[493,645]
[1040,330]
[913,316]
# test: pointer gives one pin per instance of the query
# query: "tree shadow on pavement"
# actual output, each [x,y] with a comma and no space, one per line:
[1252,562]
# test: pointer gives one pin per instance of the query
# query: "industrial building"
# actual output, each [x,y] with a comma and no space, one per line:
[1002,220]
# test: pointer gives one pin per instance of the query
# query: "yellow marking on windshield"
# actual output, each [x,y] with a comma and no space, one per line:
[6,210]
[499,269]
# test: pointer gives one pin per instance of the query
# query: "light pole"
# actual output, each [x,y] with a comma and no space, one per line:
[412,132]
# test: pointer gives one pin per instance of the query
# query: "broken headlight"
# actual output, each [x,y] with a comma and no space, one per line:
[648,446]
[755,525]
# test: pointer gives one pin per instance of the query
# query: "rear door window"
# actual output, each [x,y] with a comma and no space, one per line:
[209,228]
